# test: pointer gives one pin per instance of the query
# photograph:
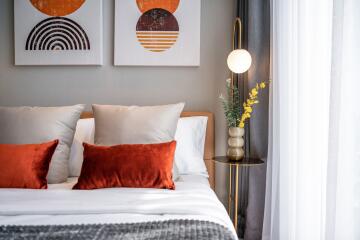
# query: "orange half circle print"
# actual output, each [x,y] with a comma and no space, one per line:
[169,5]
[57,8]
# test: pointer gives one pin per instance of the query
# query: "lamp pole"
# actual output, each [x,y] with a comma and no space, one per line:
[237,23]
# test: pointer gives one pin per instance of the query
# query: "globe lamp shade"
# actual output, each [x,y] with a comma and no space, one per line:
[239,61]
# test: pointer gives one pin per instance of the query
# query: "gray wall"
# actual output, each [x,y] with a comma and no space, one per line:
[199,87]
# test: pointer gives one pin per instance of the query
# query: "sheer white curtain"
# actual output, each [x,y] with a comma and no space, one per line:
[313,188]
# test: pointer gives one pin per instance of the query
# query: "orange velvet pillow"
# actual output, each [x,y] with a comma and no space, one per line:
[25,166]
[128,165]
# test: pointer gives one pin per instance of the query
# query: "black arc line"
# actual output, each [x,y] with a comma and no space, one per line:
[42,30]
[56,36]
[54,40]
[61,29]
[50,30]
[57,45]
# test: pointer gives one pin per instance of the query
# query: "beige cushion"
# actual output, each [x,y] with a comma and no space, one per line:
[24,125]
[135,125]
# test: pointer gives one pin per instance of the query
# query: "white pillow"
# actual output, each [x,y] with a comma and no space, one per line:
[189,155]
[85,131]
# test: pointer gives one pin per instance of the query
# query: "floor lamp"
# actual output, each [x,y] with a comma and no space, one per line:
[238,61]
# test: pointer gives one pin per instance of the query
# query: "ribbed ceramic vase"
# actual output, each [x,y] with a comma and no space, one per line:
[236,143]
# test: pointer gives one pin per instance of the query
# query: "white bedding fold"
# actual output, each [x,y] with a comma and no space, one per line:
[189,200]
[115,200]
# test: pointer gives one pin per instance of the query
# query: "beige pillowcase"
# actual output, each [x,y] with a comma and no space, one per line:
[135,125]
[25,125]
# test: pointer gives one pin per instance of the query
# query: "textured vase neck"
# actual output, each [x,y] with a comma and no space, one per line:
[236,131]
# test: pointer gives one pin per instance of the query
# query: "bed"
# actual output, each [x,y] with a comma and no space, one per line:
[192,211]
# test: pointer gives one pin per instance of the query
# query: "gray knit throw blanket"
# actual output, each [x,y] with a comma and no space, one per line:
[171,229]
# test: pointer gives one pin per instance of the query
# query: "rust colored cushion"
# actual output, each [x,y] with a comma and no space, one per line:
[127,165]
[25,165]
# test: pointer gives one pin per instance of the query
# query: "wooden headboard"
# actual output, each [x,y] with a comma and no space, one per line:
[209,152]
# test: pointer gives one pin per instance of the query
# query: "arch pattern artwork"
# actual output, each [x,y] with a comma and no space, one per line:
[157,29]
[57,33]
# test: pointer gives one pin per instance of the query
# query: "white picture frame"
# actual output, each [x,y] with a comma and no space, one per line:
[128,51]
[45,38]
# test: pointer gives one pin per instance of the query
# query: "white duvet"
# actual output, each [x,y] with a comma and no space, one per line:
[192,199]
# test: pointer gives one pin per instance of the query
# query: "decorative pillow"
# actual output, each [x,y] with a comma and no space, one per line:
[136,165]
[25,166]
[85,130]
[135,125]
[29,125]
[190,138]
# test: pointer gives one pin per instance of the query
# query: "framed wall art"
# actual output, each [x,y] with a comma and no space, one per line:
[58,32]
[157,32]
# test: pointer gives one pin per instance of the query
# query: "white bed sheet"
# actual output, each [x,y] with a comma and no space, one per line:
[192,199]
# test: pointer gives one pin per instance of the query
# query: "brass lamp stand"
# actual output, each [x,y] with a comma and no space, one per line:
[237,23]
[239,61]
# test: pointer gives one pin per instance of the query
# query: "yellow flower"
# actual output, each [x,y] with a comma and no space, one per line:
[254,92]
[248,109]
[252,100]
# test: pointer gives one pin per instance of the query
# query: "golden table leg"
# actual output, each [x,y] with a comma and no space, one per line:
[237,195]
[230,191]
[236,198]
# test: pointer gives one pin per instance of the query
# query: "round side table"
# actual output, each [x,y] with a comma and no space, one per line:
[234,167]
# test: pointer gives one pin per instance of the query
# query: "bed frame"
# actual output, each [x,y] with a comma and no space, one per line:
[209,152]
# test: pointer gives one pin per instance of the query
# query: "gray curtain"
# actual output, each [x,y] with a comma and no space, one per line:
[255,16]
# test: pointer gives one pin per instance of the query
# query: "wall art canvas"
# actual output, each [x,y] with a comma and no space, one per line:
[157,32]
[58,32]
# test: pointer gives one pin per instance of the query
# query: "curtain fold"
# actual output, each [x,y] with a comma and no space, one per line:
[259,48]
[343,176]
[313,158]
